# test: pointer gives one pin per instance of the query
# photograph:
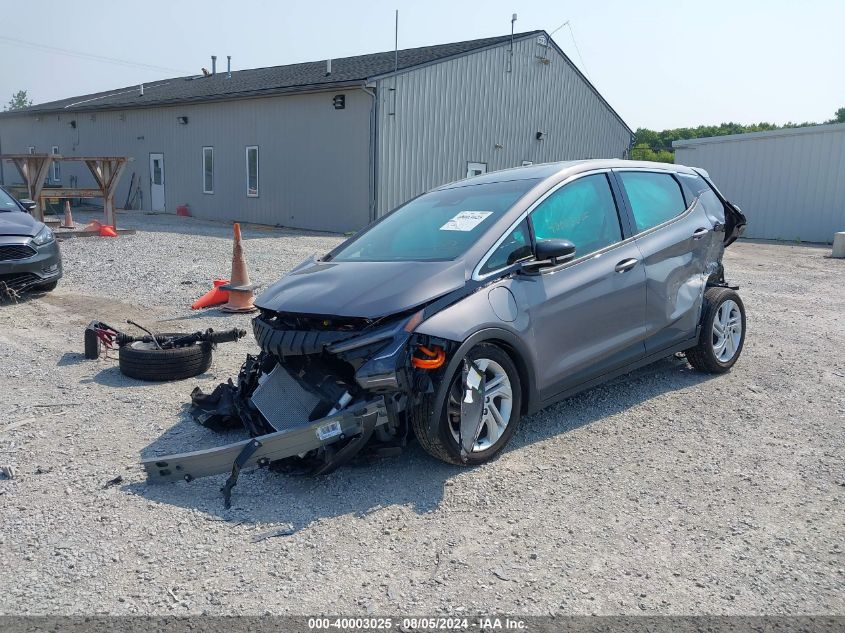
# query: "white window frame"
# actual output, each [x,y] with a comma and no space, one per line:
[257,171]
[473,166]
[31,149]
[208,148]
[56,167]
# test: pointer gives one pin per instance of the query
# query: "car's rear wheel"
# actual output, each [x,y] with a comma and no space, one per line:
[500,418]
[722,332]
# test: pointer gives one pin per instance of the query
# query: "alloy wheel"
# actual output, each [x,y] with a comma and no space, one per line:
[727,331]
[498,405]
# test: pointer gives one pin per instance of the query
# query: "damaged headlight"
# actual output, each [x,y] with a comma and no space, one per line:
[44,236]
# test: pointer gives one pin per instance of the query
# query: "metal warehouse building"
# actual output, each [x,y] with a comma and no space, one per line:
[790,182]
[329,145]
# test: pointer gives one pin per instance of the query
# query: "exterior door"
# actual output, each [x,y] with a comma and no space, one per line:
[157,182]
[679,249]
[588,315]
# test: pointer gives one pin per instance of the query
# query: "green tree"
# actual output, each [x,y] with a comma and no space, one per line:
[18,101]
[839,117]
[642,151]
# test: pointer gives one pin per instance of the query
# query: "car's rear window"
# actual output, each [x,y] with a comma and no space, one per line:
[697,188]
[655,198]
[439,225]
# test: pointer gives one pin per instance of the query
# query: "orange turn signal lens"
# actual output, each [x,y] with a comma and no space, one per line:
[412,323]
[432,358]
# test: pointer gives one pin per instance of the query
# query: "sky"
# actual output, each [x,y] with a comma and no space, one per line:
[659,63]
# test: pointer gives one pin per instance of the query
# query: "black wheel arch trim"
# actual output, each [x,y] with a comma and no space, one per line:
[511,345]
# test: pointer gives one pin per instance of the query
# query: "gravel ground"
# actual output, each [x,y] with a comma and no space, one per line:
[665,492]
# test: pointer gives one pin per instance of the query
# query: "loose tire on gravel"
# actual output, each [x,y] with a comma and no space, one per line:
[443,443]
[141,361]
[722,332]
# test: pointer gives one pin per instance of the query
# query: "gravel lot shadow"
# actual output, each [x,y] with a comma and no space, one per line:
[618,395]
[111,377]
[211,313]
[71,358]
[25,296]
[412,479]
[179,225]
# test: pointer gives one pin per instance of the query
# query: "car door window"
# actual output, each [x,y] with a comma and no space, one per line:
[515,247]
[583,212]
[655,198]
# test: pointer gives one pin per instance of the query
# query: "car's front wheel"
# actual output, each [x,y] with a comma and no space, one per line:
[500,417]
[722,332]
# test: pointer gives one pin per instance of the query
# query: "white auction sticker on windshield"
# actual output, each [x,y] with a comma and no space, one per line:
[466,221]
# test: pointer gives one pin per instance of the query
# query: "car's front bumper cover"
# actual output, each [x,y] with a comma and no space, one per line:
[357,419]
[42,267]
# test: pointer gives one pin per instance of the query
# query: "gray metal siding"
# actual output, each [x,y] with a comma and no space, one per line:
[459,111]
[790,185]
[313,159]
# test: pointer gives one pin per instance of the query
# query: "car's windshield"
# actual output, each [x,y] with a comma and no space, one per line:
[439,225]
[7,203]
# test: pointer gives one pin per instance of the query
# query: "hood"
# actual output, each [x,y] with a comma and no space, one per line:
[361,289]
[18,223]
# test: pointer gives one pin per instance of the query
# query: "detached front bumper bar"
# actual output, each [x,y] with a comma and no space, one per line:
[260,451]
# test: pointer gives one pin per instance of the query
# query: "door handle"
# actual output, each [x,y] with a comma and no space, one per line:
[699,233]
[626,264]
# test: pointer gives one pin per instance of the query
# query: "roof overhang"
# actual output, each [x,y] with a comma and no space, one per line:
[162,103]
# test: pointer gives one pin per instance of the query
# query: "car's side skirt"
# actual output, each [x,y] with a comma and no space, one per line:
[595,382]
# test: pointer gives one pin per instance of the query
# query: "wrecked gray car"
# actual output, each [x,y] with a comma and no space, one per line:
[473,305]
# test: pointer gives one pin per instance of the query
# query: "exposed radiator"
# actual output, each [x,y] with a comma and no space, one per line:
[283,401]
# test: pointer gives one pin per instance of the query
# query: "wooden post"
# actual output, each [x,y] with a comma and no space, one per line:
[115,172]
[33,168]
[108,203]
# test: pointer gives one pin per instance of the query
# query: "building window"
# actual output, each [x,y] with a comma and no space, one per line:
[252,171]
[57,166]
[208,170]
[476,169]
[32,149]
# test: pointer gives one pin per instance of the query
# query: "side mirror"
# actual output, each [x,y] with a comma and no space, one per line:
[27,204]
[556,251]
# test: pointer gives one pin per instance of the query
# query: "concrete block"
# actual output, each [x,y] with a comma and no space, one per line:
[838,245]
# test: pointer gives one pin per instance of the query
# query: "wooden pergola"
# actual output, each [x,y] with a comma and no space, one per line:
[34,169]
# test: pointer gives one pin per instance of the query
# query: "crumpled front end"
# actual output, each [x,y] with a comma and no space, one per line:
[321,390]
[321,364]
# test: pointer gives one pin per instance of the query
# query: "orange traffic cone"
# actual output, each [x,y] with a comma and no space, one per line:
[107,231]
[241,294]
[93,225]
[67,223]
[213,297]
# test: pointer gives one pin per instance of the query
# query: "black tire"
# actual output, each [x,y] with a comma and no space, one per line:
[703,356]
[48,287]
[165,364]
[441,443]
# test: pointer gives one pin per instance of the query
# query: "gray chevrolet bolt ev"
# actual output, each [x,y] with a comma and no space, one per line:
[473,305]
[29,254]
[542,280]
